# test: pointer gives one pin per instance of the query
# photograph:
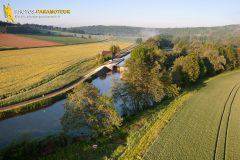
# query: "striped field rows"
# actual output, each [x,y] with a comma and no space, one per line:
[207,127]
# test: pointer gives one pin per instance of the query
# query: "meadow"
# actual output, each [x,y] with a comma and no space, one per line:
[29,73]
[207,126]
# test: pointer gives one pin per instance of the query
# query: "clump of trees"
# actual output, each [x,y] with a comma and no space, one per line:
[210,59]
[231,56]
[160,42]
[86,107]
[154,73]
[164,41]
[188,69]
[147,81]
[214,62]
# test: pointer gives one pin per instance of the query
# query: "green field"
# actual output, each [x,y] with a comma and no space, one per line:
[64,39]
[207,127]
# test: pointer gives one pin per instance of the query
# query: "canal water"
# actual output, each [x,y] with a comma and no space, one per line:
[47,121]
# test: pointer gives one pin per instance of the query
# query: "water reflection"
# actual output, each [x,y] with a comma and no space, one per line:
[39,123]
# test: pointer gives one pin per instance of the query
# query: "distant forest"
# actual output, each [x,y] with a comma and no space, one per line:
[220,33]
[34,29]
[229,30]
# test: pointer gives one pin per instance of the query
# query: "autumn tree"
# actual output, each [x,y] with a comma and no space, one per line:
[85,107]
[187,69]
[214,62]
[231,56]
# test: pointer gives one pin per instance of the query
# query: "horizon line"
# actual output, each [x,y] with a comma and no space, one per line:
[130,26]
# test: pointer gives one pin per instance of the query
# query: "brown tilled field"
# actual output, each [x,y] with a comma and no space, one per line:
[15,41]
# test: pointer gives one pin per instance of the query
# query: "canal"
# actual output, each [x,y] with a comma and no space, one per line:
[47,121]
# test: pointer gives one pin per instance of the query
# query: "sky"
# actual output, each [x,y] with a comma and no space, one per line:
[142,13]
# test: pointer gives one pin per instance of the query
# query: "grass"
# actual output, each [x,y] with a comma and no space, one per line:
[28,73]
[194,133]
[63,39]
[233,136]
[141,139]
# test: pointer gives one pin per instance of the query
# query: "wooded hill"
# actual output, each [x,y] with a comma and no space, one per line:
[230,30]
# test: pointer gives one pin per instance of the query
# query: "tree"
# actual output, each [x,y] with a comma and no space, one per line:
[186,70]
[85,107]
[214,62]
[181,45]
[89,36]
[231,56]
[139,40]
[164,41]
[152,43]
[114,49]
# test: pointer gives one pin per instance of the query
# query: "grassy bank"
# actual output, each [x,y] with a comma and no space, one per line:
[141,139]
[30,107]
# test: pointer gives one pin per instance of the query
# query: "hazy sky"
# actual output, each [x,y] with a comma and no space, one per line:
[146,13]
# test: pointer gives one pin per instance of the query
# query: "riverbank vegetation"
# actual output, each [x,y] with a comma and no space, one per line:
[30,107]
[155,72]
[85,107]
[162,74]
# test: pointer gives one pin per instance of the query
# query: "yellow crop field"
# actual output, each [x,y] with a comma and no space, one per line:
[32,72]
